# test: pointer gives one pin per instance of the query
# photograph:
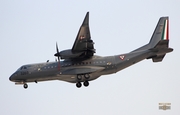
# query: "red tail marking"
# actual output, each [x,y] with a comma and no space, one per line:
[167,34]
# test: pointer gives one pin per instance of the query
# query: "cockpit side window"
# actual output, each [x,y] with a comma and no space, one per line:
[21,68]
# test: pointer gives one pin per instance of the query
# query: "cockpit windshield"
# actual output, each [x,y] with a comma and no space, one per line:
[22,68]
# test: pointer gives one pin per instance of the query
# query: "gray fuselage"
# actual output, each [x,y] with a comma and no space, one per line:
[68,70]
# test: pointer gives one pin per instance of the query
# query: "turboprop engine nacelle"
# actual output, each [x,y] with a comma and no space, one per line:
[68,54]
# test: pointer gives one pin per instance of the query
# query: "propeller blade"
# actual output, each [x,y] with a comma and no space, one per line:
[57,50]
[58,55]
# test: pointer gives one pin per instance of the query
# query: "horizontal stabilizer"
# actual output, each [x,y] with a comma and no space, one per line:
[158,58]
[160,50]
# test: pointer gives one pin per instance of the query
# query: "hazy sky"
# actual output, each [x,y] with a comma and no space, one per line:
[29,30]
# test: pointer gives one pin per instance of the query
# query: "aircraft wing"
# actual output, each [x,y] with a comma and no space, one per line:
[81,70]
[83,42]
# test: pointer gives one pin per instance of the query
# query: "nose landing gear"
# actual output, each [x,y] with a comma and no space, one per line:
[25,85]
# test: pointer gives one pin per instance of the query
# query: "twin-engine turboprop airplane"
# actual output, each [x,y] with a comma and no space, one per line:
[81,65]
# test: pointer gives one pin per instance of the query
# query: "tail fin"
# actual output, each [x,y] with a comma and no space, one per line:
[161,32]
[159,42]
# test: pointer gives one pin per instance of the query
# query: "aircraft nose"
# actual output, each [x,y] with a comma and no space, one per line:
[12,77]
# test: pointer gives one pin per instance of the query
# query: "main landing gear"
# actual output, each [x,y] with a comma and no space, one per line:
[78,84]
[86,82]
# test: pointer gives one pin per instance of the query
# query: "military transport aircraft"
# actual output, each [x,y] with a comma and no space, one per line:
[79,64]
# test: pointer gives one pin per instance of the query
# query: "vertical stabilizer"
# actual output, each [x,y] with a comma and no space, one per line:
[161,32]
[159,42]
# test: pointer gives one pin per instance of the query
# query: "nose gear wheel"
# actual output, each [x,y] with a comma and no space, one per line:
[25,86]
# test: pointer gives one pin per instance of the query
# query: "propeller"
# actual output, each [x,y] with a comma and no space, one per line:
[58,55]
